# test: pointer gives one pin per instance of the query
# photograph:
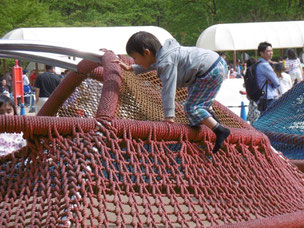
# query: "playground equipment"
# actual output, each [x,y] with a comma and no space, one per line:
[243,114]
[18,91]
[283,123]
[109,160]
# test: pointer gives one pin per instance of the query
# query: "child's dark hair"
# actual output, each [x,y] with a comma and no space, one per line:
[6,100]
[251,61]
[262,47]
[291,54]
[140,41]
[279,68]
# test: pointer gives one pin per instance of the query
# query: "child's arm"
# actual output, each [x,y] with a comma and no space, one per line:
[137,69]
[123,65]
[168,76]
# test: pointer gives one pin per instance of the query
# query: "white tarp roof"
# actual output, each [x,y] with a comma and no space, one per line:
[247,36]
[45,52]
[87,38]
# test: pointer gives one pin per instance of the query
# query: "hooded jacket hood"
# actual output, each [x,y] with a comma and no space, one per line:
[168,47]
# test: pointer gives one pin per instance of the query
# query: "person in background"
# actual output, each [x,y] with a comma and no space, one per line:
[4,88]
[32,78]
[25,78]
[233,73]
[9,81]
[284,78]
[62,75]
[302,55]
[26,88]
[45,84]
[201,71]
[239,68]
[9,142]
[223,55]
[294,66]
[284,61]
[253,112]
[266,78]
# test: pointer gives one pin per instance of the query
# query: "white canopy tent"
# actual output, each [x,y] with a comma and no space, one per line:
[87,38]
[247,36]
[45,52]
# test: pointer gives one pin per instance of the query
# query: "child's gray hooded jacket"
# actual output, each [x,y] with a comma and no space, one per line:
[178,66]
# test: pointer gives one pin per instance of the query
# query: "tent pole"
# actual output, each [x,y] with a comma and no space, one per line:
[243,57]
[234,60]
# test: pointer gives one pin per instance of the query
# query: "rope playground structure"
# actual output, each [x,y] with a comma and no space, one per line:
[99,155]
[283,123]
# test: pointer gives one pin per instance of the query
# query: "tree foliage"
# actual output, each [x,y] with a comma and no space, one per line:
[184,19]
[26,13]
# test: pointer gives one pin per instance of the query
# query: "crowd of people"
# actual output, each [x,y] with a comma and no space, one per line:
[9,142]
[277,76]
[36,86]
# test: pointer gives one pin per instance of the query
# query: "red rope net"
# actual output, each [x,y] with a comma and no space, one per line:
[117,164]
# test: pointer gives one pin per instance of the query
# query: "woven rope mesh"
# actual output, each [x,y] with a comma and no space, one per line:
[283,123]
[140,98]
[135,172]
[83,102]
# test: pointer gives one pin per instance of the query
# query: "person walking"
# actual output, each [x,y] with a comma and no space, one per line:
[45,84]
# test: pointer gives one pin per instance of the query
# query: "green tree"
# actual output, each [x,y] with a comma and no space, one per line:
[184,19]
[26,13]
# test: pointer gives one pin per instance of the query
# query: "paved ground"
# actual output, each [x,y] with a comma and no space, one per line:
[27,111]
[229,95]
